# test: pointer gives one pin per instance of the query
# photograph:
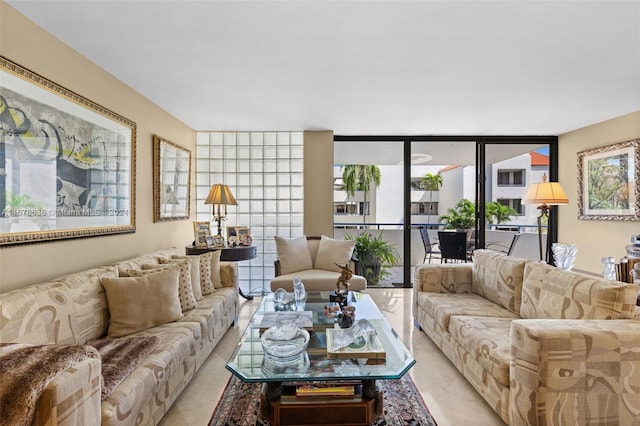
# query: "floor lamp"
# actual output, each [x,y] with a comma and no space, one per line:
[545,194]
[220,195]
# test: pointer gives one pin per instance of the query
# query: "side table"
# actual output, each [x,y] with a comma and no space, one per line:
[229,254]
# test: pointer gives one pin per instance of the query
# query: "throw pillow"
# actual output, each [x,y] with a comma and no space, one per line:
[139,303]
[195,274]
[205,273]
[333,251]
[293,255]
[185,292]
[216,278]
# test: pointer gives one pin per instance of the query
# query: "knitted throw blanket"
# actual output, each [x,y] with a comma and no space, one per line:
[25,371]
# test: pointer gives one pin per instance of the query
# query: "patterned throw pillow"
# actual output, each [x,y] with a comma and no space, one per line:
[195,274]
[185,293]
[205,274]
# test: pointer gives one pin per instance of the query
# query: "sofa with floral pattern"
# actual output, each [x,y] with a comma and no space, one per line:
[542,346]
[186,302]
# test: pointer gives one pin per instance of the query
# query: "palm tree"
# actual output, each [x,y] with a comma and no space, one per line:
[500,212]
[359,177]
[431,182]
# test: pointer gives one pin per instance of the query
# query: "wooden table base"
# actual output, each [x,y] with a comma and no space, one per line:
[293,411]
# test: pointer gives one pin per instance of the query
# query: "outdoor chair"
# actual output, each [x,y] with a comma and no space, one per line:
[453,246]
[428,246]
[502,248]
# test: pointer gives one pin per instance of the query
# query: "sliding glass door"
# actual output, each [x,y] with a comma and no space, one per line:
[431,184]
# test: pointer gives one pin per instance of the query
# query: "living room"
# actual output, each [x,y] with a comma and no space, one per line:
[29,45]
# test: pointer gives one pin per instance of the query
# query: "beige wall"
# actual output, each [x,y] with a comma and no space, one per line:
[318,183]
[28,45]
[594,239]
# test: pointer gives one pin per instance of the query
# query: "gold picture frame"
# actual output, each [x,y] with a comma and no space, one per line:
[171,180]
[68,163]
[239,236]
[609,182]
[201,231]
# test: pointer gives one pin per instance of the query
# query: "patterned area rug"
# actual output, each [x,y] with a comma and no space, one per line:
[403,405]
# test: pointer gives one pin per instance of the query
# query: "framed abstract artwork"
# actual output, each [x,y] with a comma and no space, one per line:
[69,163]
[171,180]
[609,182]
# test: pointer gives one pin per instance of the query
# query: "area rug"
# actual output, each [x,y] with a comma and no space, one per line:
[403,405]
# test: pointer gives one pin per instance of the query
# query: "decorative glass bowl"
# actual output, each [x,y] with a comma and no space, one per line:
[285,342]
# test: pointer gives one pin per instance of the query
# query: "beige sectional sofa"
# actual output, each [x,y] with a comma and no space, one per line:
[543,346]
[79,308]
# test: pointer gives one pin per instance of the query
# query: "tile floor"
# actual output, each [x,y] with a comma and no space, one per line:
[450,398]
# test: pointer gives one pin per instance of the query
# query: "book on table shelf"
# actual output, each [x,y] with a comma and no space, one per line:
[319,389]
[370,348]
[325,390]
[303,319]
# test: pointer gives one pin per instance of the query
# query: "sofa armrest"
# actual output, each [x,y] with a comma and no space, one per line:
[574,372]
[73,397]
[441,278]
[229,274]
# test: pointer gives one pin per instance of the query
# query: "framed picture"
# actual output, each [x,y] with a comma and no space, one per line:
[171,180]
[609,182]
[201,233]
[68,163]
[217,242]
[238,235]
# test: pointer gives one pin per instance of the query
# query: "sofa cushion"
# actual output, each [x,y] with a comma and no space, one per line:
[90,301]
[498,278]
[148,392]
[332,253]
[195,274]
[554,293]
[317,280]
[205,273]
[139,303]
[185,293]
[38,315]
[145,259]
[216,279]
[487,340]
[442,306]
[293,254]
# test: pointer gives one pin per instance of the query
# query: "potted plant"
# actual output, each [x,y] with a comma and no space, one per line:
[375,255]
[461,217]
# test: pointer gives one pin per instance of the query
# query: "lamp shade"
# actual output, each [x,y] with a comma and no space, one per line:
[549,193]
[221,194]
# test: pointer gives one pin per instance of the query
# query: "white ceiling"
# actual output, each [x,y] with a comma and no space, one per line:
[365,67]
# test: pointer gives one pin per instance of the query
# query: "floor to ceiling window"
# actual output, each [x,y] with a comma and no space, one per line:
[264,170]
[490,173]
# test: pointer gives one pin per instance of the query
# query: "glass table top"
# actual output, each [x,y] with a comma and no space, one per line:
[249,363]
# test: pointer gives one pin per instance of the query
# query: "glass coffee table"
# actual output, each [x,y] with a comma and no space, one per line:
[283,402]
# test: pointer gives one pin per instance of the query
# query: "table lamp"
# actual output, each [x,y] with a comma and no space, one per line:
[218,196]
[545,194]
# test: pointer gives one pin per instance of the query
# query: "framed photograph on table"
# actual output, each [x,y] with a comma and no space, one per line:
[201,232]
[239,235]
[67,164]
[609,182]
[217,242]
[171,180]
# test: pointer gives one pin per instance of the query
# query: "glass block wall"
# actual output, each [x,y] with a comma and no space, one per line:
[264,170]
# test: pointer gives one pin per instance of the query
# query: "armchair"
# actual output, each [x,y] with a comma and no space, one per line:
[315,260]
